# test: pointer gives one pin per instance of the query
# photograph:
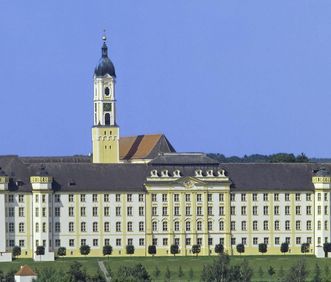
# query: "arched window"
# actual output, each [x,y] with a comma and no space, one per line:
[107,91]
[107,119]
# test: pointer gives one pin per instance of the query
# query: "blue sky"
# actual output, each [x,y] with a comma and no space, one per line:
[234,77]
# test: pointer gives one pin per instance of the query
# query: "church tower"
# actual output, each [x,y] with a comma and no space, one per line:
[105,132]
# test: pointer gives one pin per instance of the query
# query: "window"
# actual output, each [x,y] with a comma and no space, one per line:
[118,242]
[37,227]
[265,225]
[255,240]
[188,226]
[255,225]
[210,210]
[44,212]
[107,117]
[83,226]
[287,196]
[319,197]
[199,241]
[165,226]
[221,225]
[21,227]
[187,197]
[176,197]
[43,197]
[129,197]
[221,211]
[71,211]
[187,241]
[325,210]
[309,240]
[199,210]
[254,197]
[199,226]
[153,197]
[243,210]
[298,210]
[277,225]
[95,211]
[276,197]
[176,227]
[209,197]
[154,242]
[325,225]
[129,224]
[308,197]
[298,225]
[243,197]
[94,198]
[165,241]
[221,197]
[287,210]
[233,210]
[176,211]
[325,196]
[164,197]
[265,210]
[57,227]
[11,212]
[233,225]
[106,198]
[95,242]
[254,210]
[107,92]
[71,227]
[57,198]
[83,242]
[70,197]
[298,240]
[44,227]
[198,197]
[21,198]
[154,226]
[277,240]
[319,210]
[288,240]
[232,197]
[129,211]
[118,197]
[21,212]
[210,225]
[210,241]
[266,240]
[95,227]
[141,226]
[308,225]
[83,211]
[297,196]
[141,197]
[164,211]
[287,225]
[82,198]
[233,241]
[36,198]
[36,212]
[11,227]
[141,242]
[71,242]
[118,226]
[141,211]
[244,241]
[319,225]
[118,211]
[57,242]
[187,210]
[308,210]
[265,197]
[106,211]
[106,226]
[154,211]
[243,226]
[276,210]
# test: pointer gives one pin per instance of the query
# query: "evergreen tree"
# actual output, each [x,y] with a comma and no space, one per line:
[180,272]
[167,274]
[298,272]
[157,272]
[132,273]
[317,277]
[260,272]
[191,274]
[271,271]
[281,273]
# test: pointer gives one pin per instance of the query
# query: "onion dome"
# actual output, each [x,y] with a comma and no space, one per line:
[105,65]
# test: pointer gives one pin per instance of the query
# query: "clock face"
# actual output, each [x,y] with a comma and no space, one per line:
[107,107]
[107,91]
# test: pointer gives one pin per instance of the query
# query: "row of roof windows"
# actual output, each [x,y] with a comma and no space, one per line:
[198,173]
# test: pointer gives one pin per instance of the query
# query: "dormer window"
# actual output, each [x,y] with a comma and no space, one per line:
[154,173]
[210,173]
[221,173]
[176,173]
[107,91]
[198,173]
[71,182]
[164,173]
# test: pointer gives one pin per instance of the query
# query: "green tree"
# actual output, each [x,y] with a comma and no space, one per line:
[40,251]
[219,249]
[157,272]
[263,248]
[50,275]
[326,248]
[305,248]
[326,271]
[281,273]
[282,158]
[271,271]
[180,272]
[174,249]
[62,251]
[84,250]
[16,251]
[190,274]
[136,272]
[76,273]
[167,274]
[10,276]
[302,158]
[152,250]
[129,249]
[107,250]
[260,272]
[240,248]
[246,271]
[298,272]
[317,276]
[196,249]
[284,248]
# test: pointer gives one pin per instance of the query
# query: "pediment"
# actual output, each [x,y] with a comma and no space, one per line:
[189,182]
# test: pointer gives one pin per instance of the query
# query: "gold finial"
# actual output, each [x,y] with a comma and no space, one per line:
[104,37]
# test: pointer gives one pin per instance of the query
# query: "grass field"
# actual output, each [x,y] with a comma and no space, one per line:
[187,263]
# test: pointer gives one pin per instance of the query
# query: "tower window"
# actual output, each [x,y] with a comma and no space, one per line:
[107,119]
[107,91]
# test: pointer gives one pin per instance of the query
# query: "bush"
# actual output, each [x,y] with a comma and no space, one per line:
[84,250]
[62,251]
[174,249]
[219,249]
[132,273]
[40,251]
[305,248]
[152,250]
[129,249]
[284,248]
[196,249]
[263,248]
[240,248]
[16,251]
[107,250]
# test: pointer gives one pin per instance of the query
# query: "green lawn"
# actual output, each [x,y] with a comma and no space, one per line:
[173,263]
